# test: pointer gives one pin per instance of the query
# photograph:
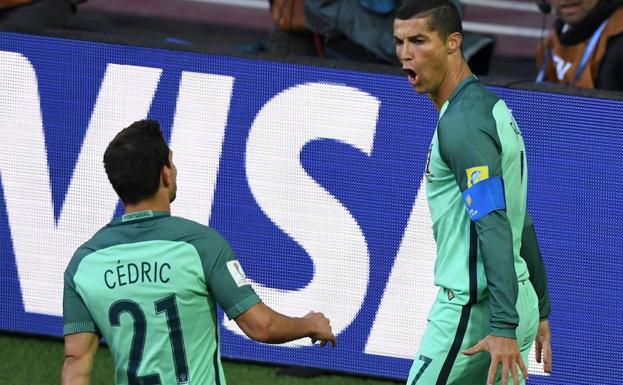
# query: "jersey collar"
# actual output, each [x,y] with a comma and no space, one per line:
[457,90]
[138,216]
[464,83]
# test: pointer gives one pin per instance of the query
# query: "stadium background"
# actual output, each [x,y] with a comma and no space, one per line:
[62,99]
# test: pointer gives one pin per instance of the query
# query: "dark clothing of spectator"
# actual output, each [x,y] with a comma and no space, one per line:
[352,30]
[355,30]
[611,71]
[560,57]
[38,14]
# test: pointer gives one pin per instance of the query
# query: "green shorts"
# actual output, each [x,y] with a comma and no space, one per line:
[454,328]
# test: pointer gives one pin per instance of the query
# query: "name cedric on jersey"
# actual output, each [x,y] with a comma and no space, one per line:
[127,274]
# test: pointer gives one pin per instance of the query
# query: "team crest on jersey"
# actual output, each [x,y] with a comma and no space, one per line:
[236,272]
[450,295]
[476,174]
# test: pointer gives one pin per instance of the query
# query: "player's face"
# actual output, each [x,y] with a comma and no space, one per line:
[573,11]
[173,180]
[422,52]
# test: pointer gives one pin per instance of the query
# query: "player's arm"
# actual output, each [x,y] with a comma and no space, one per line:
[81,332]
[80,349]
[531,253]
[263,324]
[233,292]
[474,146]
[473,156]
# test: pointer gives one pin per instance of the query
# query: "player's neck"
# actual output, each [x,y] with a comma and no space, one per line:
[158,202]
[456,73]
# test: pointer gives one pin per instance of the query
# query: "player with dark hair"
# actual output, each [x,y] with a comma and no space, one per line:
[149,282]
[488,263]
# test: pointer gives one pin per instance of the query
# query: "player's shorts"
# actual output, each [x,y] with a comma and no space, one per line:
[454,328]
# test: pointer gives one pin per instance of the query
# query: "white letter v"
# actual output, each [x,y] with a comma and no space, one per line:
[42,247]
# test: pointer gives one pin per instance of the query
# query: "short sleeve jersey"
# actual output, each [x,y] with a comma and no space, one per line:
[477,138]
[149,284]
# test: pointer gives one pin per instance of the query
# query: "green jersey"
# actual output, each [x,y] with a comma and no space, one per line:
[476,139]
[149,284]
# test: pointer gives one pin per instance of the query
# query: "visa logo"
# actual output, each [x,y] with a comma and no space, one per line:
[296,203]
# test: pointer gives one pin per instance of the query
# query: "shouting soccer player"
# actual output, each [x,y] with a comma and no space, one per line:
[488,263]
[149,282]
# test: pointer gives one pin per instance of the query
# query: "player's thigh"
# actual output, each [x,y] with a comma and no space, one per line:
[451,329]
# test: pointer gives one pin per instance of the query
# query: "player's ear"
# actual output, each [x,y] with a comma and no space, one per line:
[166,175]
[453,42]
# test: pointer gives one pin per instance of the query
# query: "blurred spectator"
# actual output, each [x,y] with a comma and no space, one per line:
[288,14]
[354,30]
[357,30]
[291,35]
[585,49]
[36,14]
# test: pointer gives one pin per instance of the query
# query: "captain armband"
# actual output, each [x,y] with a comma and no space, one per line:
[484,197]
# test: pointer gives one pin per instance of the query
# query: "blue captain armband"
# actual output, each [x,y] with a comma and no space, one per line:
[484,197]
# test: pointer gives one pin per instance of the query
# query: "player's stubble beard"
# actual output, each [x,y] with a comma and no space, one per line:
[173,193]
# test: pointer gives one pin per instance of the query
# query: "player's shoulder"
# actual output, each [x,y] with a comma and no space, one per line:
[189,227]
[98,241]
[469,113]
[473,103]
[186,230]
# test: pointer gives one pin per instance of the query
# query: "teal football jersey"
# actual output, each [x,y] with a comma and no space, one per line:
[477,138]
[149,283]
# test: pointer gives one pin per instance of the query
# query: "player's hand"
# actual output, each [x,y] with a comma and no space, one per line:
[543,346]
[503,351]
[321,329]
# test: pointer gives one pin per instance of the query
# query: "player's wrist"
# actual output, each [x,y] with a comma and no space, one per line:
[503,332]
[306,325]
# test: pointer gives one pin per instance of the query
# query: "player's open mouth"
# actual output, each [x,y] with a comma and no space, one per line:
[411,75]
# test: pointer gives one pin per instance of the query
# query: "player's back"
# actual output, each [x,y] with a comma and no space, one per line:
[144,280]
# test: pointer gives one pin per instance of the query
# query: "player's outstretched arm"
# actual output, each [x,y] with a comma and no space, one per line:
[263,324]
[80,349]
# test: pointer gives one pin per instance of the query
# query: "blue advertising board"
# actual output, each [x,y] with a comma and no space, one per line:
[314,175]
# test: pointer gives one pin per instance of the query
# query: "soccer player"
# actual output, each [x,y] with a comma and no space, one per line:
[149,282]
[476,184]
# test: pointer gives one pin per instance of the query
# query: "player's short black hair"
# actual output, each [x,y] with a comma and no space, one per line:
[443,16]
[134,159]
